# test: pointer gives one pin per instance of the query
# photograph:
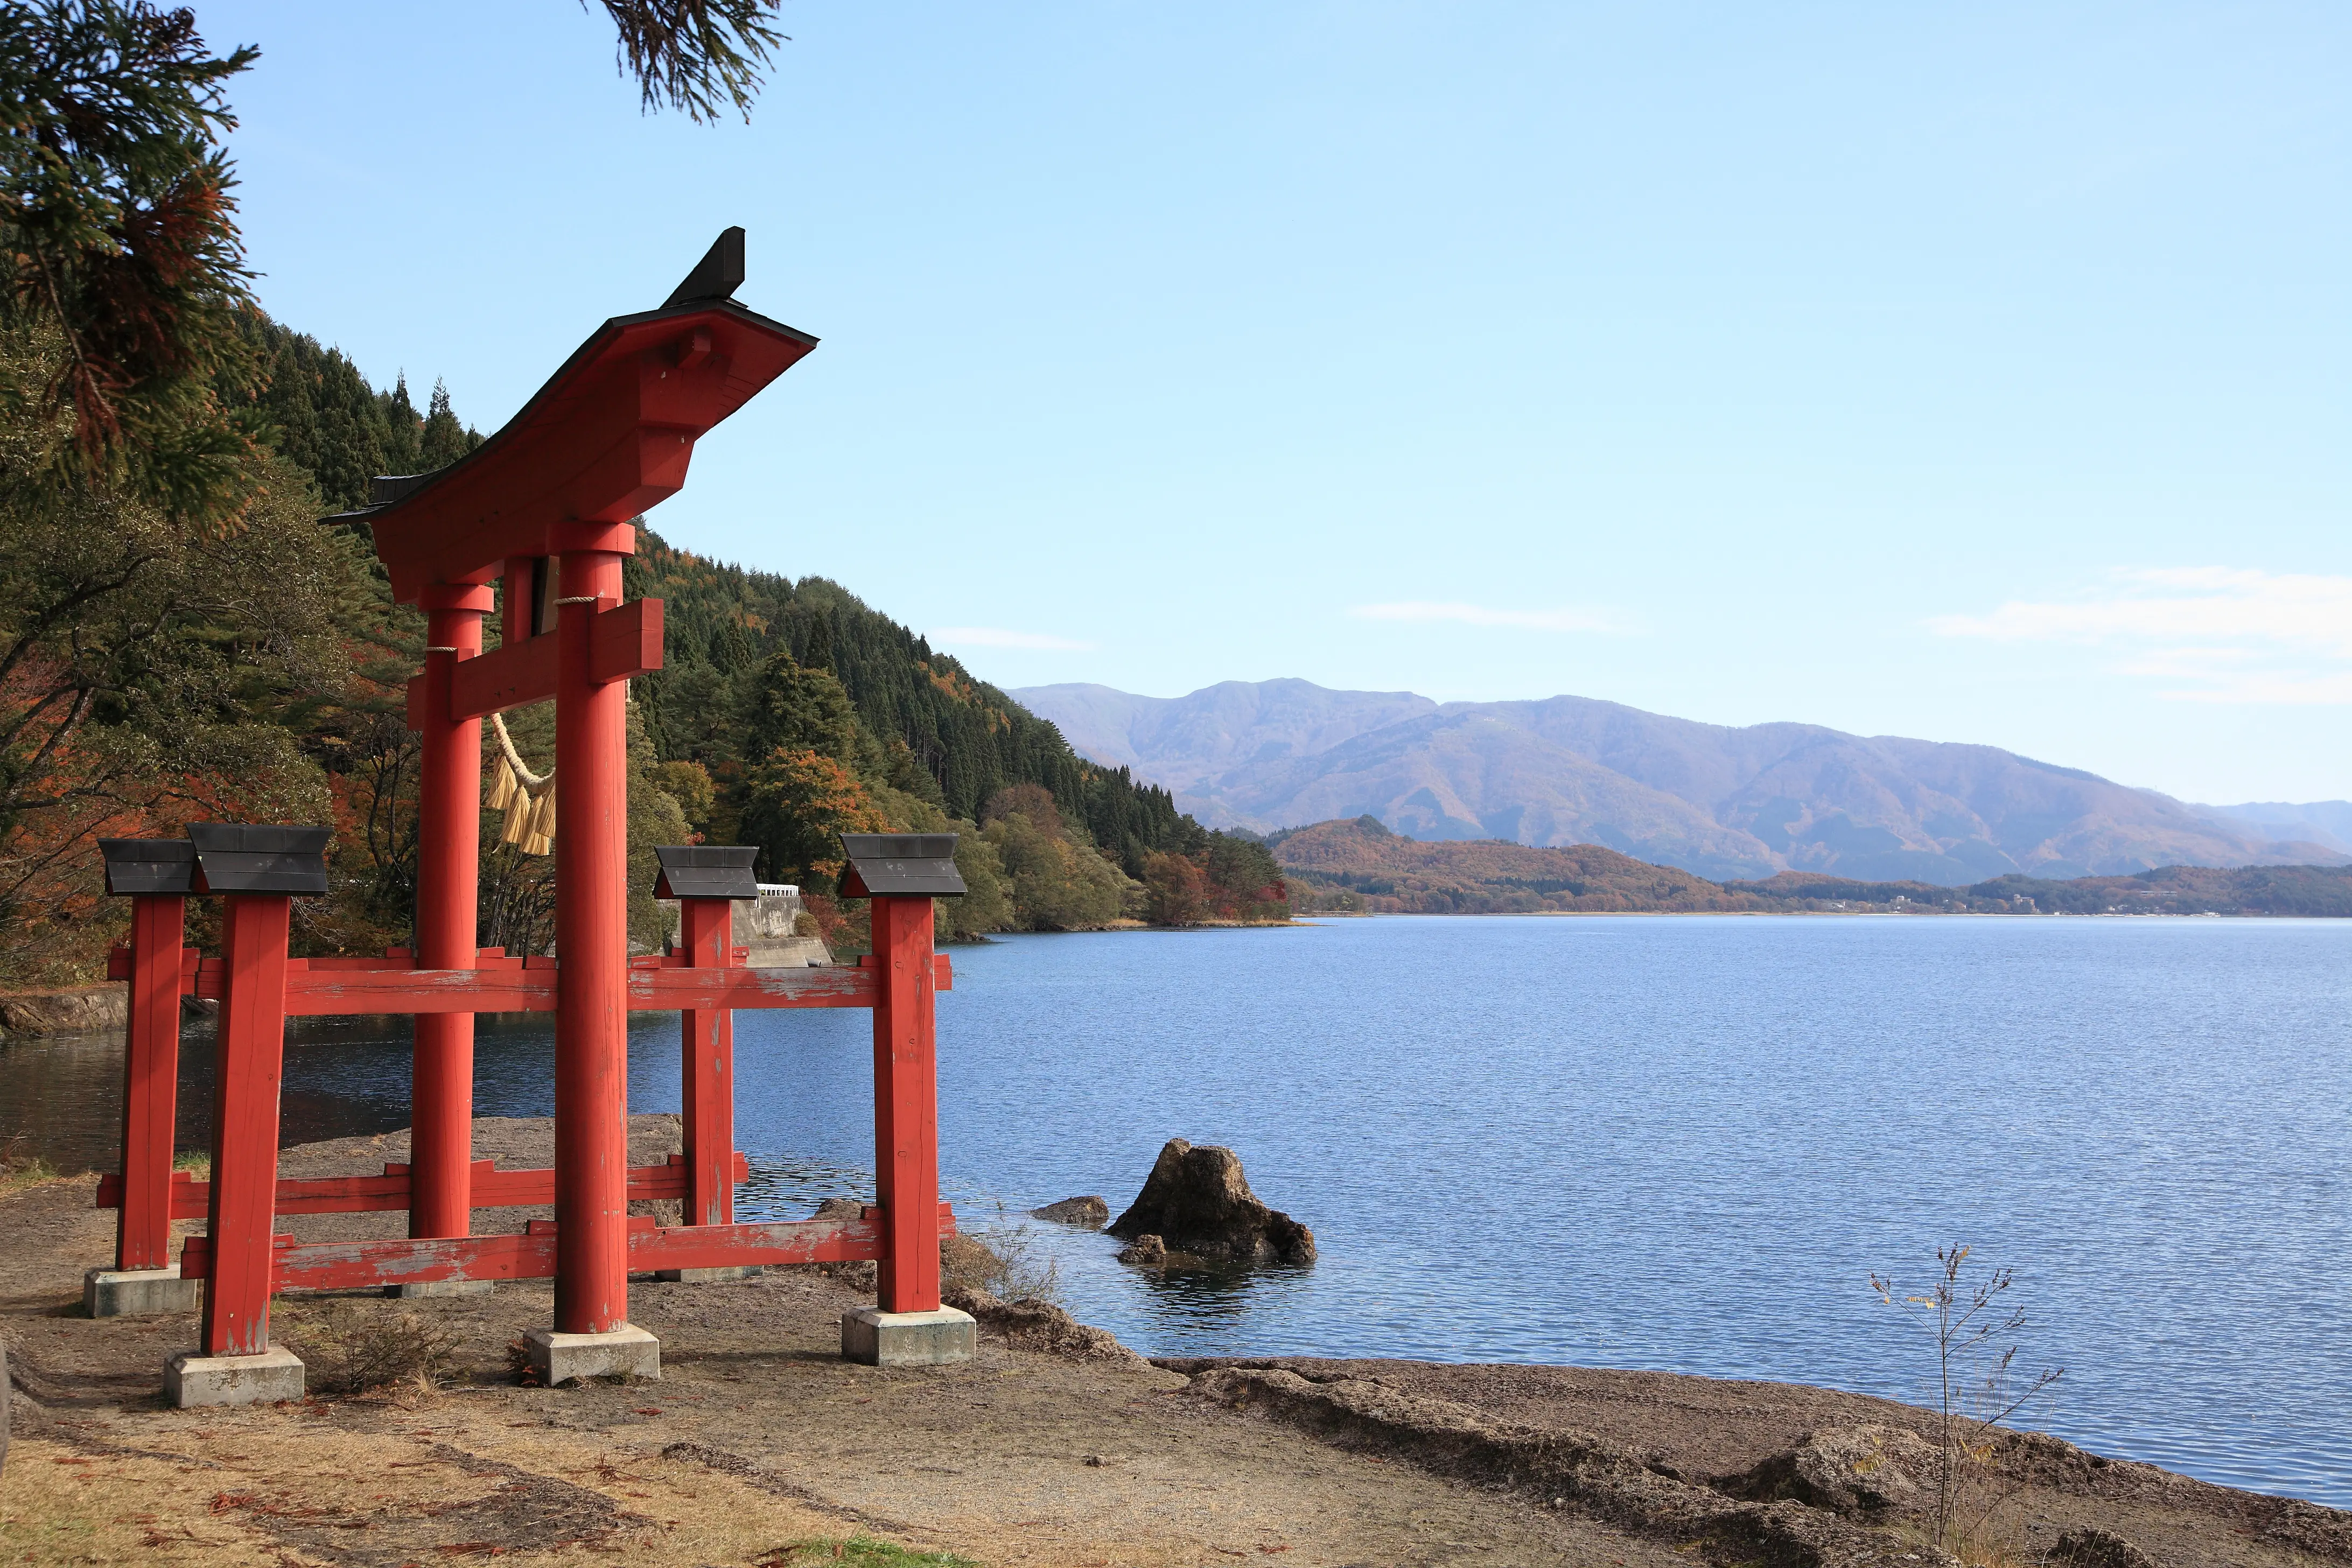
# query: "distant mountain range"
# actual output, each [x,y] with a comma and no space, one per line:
[1719,801]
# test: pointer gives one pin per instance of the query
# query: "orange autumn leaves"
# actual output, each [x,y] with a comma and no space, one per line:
[802,801]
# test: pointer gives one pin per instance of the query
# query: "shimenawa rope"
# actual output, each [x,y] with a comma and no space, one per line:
[527,798]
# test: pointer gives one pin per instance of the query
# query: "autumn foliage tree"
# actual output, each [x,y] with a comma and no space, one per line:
[801,801]
[1176,891]
[147,668]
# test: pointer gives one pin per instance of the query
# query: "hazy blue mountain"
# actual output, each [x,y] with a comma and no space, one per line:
[1718,801]
[2328,822]
[1179,742]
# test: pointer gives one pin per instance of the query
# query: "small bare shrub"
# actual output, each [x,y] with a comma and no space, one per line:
[1003,1260]
[966,1263]
[1024,1271]
[347,1351]
[1965,1320]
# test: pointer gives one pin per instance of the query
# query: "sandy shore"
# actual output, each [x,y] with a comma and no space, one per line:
[1052,1447]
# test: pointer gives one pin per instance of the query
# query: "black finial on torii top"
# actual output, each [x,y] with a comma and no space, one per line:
[717,276]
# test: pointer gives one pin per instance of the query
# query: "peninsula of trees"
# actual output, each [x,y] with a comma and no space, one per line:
[1361,867]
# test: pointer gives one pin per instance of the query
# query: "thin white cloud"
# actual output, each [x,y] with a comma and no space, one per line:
[998,636]
[1483,615]
[2233,635]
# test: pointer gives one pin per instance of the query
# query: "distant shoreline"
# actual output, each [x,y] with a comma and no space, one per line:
[1312,915]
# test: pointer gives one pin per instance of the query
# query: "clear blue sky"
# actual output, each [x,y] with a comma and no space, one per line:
[1979,374]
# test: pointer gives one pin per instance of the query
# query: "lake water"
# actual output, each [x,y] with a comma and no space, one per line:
[1680,1144]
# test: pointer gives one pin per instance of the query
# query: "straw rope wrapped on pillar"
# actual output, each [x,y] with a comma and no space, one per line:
[527,798]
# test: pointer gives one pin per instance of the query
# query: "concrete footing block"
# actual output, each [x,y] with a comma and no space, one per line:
[710,1275]
[937,1337]
[136,1292]
[626,1352]
[439,1288]
[190,1380]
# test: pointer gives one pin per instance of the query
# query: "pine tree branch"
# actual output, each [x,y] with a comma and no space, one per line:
[689,54]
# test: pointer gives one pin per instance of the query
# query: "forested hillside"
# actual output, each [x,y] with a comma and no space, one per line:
[1361,867]
[788,712]
[241,661]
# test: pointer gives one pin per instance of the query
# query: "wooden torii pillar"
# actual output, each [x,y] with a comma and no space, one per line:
[448,840]
[708,880]
[157,875]
[908,1326]
[257,871]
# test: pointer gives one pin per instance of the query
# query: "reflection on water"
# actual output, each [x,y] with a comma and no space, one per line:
[343,1076]
[786,1188]
[1205,1306]
[1672,1143]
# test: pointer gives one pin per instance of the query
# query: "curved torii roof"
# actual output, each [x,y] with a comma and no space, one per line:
[609,436]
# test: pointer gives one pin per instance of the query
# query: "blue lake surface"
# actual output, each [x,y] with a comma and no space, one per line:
[1661,1143]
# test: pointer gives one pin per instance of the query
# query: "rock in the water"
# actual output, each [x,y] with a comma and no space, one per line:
[1150,1251]
[840,1208]
[1090,1213]
[1197,1201]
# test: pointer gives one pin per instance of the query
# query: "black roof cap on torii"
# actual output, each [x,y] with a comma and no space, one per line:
[706,871]
[608,437]
[899,865]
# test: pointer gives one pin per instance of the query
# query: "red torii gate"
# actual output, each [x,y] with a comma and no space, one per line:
[545,505]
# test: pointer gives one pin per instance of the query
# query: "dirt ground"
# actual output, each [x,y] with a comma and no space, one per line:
[759,1436]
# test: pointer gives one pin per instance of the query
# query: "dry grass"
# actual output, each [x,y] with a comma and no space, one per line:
[65,1504]
[1983,1543]
[19,1170]
[58,1505]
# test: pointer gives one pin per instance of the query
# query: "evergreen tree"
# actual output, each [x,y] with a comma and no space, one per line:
[800,709]
[404,430]
[442,440]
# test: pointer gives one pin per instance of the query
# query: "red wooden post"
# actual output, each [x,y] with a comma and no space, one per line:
[707,941]
[447,867]
[906,1105]
[142,1231]
[244,1123]
[592,942]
